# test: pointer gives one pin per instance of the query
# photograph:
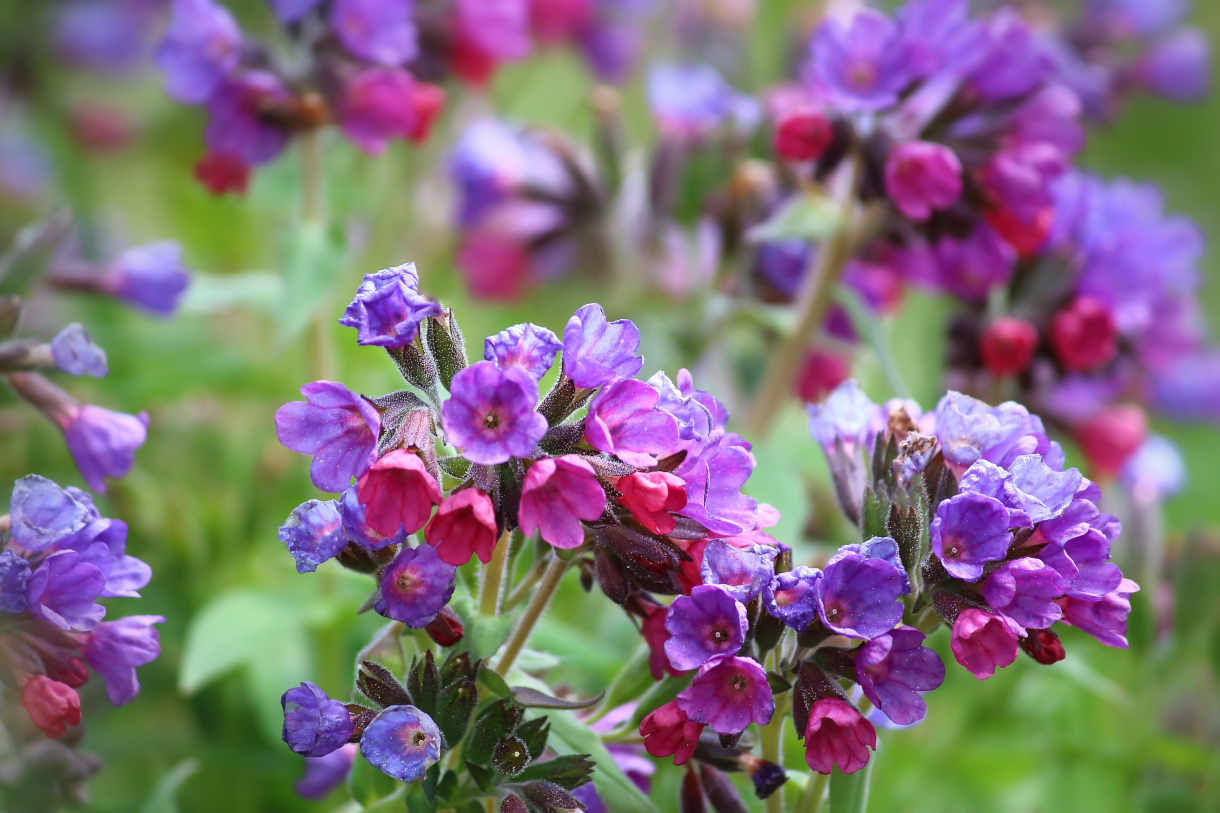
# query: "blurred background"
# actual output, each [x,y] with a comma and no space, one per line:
[1105,730]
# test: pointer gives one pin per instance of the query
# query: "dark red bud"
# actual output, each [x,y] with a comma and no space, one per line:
[802,135]
[1043,646]
[446,628]
[1008,345]
[1084,334]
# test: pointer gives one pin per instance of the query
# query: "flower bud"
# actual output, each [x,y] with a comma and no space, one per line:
[52,706]
[802,135]
[1007,345]
[1084,334]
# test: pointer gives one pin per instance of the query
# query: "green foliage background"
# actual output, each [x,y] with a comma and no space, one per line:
[1104,731]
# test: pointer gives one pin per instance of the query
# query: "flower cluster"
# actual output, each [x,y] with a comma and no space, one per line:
[58,559]
[1101,324]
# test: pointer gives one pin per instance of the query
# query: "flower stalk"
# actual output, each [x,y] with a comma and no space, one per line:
[533,611]
[493,578]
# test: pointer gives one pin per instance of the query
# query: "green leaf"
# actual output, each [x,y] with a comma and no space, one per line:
[533,698]
[616,790]
[164,796]
[257,290]
[849,792]
[804,217]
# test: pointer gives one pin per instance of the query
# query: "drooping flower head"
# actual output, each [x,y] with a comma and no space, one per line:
[402,742]
[728,694]
[837,735]
[314,724]
[415,586]
[556,495]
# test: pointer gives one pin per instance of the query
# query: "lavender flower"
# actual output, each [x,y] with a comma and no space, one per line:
[728,694]
[740,571]
[528,346]
[102,442]
[336,426]
[894,669]
[42,514]
[1105,618]
[314,724]
[74,352]
[556,495]
[201,47]
[378,31]
[623,420]
[704,625]
[415,587]
[388,308]
[713,479]
[115,648]
[402,742]
[859,596]
[324,774]
[63,590]
[490,413]
[596,352]
[313,533]
[968,531]
[862,65]
[151,277]
[14,578]
[690,102]
[792,597]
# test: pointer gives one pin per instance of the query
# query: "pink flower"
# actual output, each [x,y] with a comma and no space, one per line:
[669,732]
[651,496]
[983,642]
[921,176]
[464,524]
[557,494]
[397,493]
[52,706]
[837,734]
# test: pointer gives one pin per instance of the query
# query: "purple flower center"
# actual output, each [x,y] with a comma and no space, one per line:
[953,550]
[491,420]
[862,74]
[406,581]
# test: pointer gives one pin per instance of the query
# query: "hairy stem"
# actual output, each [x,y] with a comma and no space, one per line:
[815,793]
[533,611]
[772,740]
[522,590]
[493,578]
[813,302]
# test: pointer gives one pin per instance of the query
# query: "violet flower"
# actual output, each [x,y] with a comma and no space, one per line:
[741,571]
[314,724]
[704,625]
[728,694]
[115,648]
[388,308]
[894,669]
[968,531]
[74,352]
[377,31]
[313,534]
[201,48]
[336,426]
[415,586]
[528,346]
[859,596]
[490,413]
[402,742]
[623,420]
[860,65]
[596,352]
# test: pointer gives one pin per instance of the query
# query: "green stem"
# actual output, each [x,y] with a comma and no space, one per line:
[772,740]
[813,302]
[815,793]
[533,611]
[522,590]
[493,578]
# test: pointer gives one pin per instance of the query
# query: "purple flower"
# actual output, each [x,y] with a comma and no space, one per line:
[42,514]
[1045,492]
[704,625]
[415,587]
[493,162]
[14,579]
[969,429]
[528,346]
[792,597]
[921,176]
[1013,62]
[939,37]
[324,774]
[1156,471]
[314,724]
[313,533]
[102,543]
[336,426]
[783,264]
[289,11]
[986,478]
[713,478]
[983,641]
[151,277]
[237,126]
[968,530]
[379,31]
[116,648]
[1105,618]
[1025,591]
[388,308]
[490,415]
[689,102]
[883,548]
[62,590]
[728,694]
[106,36]
[1084,563]
[863,65]
[596,352]
[894,668]
[1178,67]
[103,443]
[624,421]
[201,48]
[971,267]
[402,742]
[74,352]
[847,417]
[556,495]
[740,571]
[859,596]
[496,28]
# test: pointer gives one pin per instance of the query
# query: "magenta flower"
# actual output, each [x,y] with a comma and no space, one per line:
[667,731]
[382,104]
[490,415]
[704,625]
[859,596]
[728,694]
[1025,590]
[415,587]
[837,734]
[596,352]
[378,31]
[983,642]
[861,65]
[652,497]
[336,426]
[102,442]
[398,493]
[115,648]
[624,421]
[465,524]
[969,530]
[792,598]
[528,346]
[921,177]
[894,668]
[556,495]
[388,308]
